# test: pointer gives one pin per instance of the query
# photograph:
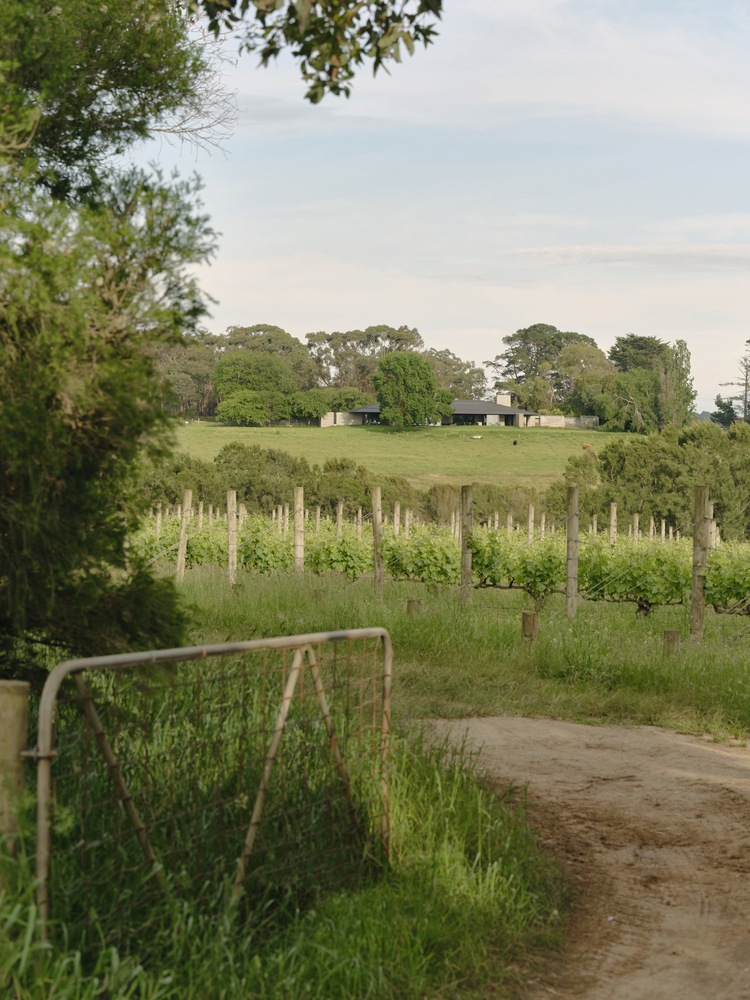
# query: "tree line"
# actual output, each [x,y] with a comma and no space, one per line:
[261,375]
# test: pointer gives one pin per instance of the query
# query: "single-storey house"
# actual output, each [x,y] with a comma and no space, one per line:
[476,412]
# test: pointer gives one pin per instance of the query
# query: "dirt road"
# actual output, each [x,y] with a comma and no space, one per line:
[655,829]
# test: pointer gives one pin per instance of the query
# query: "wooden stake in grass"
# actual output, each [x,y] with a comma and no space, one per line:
[531,524]
[396,518]
[671,642]
[317,520]
[14,716]
[571,583]
[701,524]
[200,515]
[542,525]
[636,526]
[528,625]
[340,519]
[377,538]
[407,523]
[158,519]
[359,522]
[232,536]
[509,525]
[187,501]
[299,529]
[612,524]
[286,519]
[467,526]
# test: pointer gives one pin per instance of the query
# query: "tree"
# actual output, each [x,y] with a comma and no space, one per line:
[94,271]
[725,413]
[350,359]
[742,382]
[329,38]
[407,391]
[634,351]
[533,354]
[273,340]
[462,378]
[254,371]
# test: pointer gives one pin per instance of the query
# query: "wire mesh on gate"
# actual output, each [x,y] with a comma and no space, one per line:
[250,773]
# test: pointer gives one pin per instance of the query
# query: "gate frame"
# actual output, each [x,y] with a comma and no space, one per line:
[45,754]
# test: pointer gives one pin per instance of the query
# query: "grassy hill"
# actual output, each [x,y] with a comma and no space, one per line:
[425,456]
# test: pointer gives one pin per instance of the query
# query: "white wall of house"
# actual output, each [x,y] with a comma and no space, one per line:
[340,419]
[493,419]
[503,399]
[558,420]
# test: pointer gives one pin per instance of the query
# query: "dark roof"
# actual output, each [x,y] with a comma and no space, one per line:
[466,407]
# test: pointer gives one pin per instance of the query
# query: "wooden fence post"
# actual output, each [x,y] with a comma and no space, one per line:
[571,582]
[542,525]
[636,526]
[359,522]
[700,563]
[407,523]
[232,536]
[299,529]
[377,538]
[509,525]
[531,524]
[613,524]
[286,519]
[317,520]
[671,642]
[187,502]
[14,719]
[340,519]
[396,518]
[528,625]
[200,515]
[467,526]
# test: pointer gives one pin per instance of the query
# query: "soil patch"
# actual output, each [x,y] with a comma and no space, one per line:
[654,827]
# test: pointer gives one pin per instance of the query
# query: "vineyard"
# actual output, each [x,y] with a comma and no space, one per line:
[647,573]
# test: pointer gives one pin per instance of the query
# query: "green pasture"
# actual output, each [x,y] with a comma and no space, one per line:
[425,456]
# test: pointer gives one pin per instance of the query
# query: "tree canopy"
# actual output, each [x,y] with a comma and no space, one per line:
[408,393]
[329,39]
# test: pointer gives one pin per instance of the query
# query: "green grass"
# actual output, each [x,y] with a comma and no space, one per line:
[466,895]
[605,666]
[424,457]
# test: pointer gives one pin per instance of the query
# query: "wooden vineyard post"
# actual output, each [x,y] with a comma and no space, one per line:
[377,538]
[407,523]
[612,524]
[232,536]
[14,717]
[571,582]
[700,563]
[531,524]
[528,625]
[651,530]
[340,519]
[286,519]
[509,525]
[467,526]
[359,522]
[200,515]
[671,642]
[396,518]
[280,519]
[158,519]
[187,502]
[299,529]
[636,526]
[663,529]
[317,520]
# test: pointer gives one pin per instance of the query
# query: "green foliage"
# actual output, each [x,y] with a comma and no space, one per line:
[254,371]
[83,293]
[725,413]
[72,99]
[407,391]
[430,555]
[328,40]
[348,360]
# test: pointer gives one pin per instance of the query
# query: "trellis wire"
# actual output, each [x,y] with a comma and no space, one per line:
[251,773]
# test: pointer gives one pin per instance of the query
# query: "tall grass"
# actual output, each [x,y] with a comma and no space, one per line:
[466,894]
[606,665]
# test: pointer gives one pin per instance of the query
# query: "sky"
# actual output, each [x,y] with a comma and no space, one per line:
[582,163]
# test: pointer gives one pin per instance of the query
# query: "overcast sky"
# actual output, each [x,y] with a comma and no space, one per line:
[583,163]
